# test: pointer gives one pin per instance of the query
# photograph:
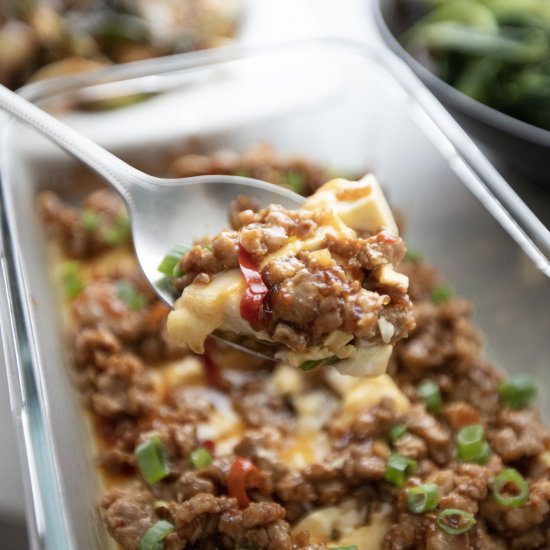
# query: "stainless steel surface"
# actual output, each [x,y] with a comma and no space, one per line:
[518,144]
[347,106]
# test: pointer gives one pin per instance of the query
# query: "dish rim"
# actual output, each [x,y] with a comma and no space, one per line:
[457,100]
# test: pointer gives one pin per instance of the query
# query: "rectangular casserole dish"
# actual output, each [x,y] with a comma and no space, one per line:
[341,104]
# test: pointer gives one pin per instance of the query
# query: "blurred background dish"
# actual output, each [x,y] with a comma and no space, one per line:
[43,39]
[488,62]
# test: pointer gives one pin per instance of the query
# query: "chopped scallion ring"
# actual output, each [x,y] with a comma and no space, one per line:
[398,468]
[172,259]
[120,231]
[441,294]
[397,431]
[73,283]
[510,488]
[422,498]
[90,220]
[314,363]
[471,444]
[201,458]
[454,521]
[151,460]
[431,394]
[130,296]
[152,540]
[517,392]
[294,181]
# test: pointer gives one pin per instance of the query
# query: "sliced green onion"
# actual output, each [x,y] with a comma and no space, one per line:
[151,460]
[152,540]
[120,231]
[431,394]
[294,181]
[413,255]
[201,458]
[518,392]
[397,431]
[73,283]
[130,296]
[241,172]
[314,363]
[398,468]
[517,490]
[441,294]
[172,259]
[454,521]
[422,498]
[352,547]
[90,220]
[471,444]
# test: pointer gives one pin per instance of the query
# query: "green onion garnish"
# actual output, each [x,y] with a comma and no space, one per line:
[314,363]
[172,259]
[241,172]
[151,459]
[471,443]
[398,468]
[454,521]
[430,393]
[294,181]
[73,284]
[422,498]
[413,255]
[90,220]
[201,458]
[517,490]
[352,547]
[441,294]
[397,431]
[120,231]
[130,296]
[518,392]
[152,540]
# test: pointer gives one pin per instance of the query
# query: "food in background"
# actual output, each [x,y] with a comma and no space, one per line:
[41,39]
[495,51]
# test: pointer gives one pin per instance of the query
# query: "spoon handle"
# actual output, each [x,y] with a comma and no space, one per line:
[121,175]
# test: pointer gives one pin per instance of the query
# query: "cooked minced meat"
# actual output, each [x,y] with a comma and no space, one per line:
[319,280]
[309,295]
[299,460]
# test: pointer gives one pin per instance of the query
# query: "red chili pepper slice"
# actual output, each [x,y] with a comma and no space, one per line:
[256,291]
[243,474]
[209,445]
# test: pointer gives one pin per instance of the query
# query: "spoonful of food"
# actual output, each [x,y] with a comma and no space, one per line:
[307,285]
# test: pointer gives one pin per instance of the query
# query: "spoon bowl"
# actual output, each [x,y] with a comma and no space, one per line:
[163,212]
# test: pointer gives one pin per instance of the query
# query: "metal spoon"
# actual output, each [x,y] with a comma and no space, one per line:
[162,211]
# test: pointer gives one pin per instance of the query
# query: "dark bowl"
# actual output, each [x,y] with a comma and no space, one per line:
[522,145]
